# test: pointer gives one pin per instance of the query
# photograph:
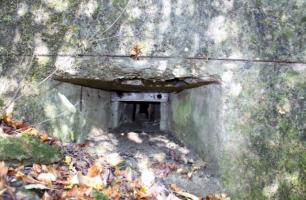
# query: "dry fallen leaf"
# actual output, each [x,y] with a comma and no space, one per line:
[44,137]
[2,191]
[68,160]
[94,182]
[217,197]
[136,51]
[94,170]
[142,193]
[36,186]
[20,175]
[198,165]
[46,177]
[31,131]
[113,192]
[46,196]
[175,188]
[189,174]
[7,118]
[180,192]
[36,168]
[3,169]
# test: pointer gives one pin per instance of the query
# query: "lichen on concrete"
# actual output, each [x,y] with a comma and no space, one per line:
[258,144]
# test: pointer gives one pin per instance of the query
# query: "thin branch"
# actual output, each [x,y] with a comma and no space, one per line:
[20,85]
[39,84]
[24,77]
[47,120]
[102,39]
[115,36]
[115,21]
[21,95]
[48,77]
[57,116]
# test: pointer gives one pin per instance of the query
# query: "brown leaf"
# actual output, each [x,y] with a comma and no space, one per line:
[94,170]
[44,168]
[217,197]
[3,169]
[44,137]
[181,193]
[20,124]
[113,192]
[36,168]
[46,196]
[46,177]
[136,51]
[175,188]
[7,118]
[94,182]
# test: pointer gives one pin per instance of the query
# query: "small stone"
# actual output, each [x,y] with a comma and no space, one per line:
[15,182]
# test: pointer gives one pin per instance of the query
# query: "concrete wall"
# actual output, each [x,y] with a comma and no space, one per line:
[77,38]
[67,111]
[196,118]
[251,126]
[96,109]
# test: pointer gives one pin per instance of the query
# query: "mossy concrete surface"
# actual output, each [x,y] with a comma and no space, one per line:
[80,38]
[28,150]
[252,127]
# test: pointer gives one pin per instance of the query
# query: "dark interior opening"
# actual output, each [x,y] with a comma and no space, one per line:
[139,116]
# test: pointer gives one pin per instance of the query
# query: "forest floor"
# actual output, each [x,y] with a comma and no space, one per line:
[159,160]
[118,165]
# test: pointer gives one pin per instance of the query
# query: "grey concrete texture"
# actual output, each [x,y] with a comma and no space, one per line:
[168,30]
[246,125]
[195,117]
[68,112]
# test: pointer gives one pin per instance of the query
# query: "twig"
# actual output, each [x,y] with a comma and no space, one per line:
[187,195]
[102,39]
[116,20]
[39,84]
[48,77]
[20,84]
[44,121]
[57,116]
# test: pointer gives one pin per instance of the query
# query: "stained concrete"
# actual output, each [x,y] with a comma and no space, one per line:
[195,117]
[69,112]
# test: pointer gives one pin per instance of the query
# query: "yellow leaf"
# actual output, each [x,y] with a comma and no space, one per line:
[143,189]
[68,160]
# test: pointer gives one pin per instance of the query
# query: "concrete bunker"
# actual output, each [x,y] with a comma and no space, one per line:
[189,108]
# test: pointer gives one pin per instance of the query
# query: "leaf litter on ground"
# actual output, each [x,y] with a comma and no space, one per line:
[80,176]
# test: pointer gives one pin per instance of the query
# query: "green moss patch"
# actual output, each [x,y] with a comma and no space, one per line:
[28,150]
